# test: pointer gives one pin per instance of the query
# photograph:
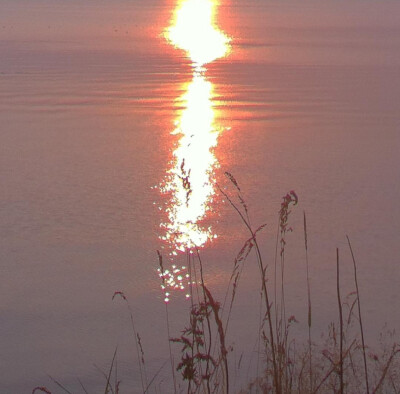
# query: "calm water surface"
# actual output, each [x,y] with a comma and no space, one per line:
[95,106]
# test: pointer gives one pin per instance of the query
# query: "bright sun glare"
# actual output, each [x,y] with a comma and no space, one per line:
[194,31]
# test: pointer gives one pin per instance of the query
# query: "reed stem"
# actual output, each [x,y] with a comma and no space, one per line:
[265,291]
[309,302]
[359,314]
[341,323]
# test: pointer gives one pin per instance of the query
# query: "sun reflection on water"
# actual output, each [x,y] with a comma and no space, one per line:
[190,182]
[194,31]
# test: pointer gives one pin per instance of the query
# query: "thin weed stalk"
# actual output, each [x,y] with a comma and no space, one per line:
[108,384]
[59,385]
[340,323]
[275,277]
[223,351]
[171,359]
[43,389]
[236,274]
[261,323]
[83,387]
[264,287]
[309,316]
[139,350]
[116,381]
[359,315]
[282,334]
[394,352]
[333,368]
[208,348]
[154,377]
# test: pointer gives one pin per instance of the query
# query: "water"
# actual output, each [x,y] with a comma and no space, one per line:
[308,99]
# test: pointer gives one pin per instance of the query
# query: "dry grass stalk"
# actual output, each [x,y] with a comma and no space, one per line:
[223,352]
[309,316]
[42,389]
[108,384]
[82,386]
[138,345]
[341,323]
[394,352]
[263,280]
[209,346]
[171,359]
[359,315]
[194,348]
[59,385]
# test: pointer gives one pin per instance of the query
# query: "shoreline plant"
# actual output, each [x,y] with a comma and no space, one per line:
[341,363]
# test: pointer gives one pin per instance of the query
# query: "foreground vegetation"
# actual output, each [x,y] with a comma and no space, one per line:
[342,363]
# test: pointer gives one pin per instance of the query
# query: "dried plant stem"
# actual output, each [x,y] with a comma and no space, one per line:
[154,377]
[59,385]
[394,352]
[42,389]
[265,291]
[171,359]
[215,306]
[169,348]
[332,369]
[192,274]
[340,322]
[83,387]
[359,314]
[309,302]
[283,307]
[139,351]
[269,315]
[261,323]
[108,384]
[208,348]
[275,276]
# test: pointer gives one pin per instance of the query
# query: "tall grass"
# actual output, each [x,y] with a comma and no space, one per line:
[332,366]
[200,356]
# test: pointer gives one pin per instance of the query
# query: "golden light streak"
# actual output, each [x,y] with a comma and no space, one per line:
[190,180]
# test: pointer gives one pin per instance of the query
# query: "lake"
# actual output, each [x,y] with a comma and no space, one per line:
[113,146]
